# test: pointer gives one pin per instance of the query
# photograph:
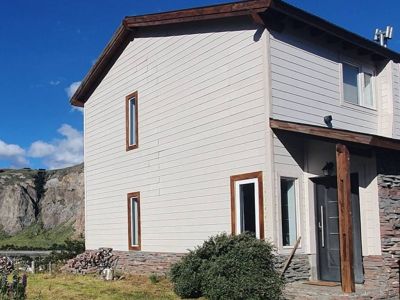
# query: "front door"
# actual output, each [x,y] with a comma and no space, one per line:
[327,223]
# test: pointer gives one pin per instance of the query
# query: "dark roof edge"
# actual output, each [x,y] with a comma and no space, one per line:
[333,29]
[125,34]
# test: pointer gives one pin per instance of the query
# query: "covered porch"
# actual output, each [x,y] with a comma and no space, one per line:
[343,217]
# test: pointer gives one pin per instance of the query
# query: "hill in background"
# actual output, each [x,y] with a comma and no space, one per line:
[39,208]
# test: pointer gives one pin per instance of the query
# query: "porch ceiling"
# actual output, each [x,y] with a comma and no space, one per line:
[336,135]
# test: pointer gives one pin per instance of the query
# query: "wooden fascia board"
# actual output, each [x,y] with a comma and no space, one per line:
[336,134]
[197,14]
[117,44]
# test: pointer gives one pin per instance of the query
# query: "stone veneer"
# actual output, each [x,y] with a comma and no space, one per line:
[146,263]
[382,272]
[299,268]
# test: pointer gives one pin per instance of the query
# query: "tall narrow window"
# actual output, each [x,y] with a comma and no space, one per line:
[134,232]
[247,204]
[350,83]
[368,92]
[288,211]
[132,130]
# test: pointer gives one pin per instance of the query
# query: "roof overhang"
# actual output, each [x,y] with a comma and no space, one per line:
[336,135]
[267,12]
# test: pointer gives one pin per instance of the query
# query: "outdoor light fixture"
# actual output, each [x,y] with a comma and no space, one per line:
[328,168]
[328,121]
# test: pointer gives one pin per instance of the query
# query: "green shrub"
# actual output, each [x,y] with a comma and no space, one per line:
[186,276]
[154,278]
[229,267]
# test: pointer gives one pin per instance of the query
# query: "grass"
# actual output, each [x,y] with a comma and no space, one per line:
[35,237]
[78,287]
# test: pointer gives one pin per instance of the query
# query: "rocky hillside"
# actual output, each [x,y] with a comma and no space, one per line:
[37,197]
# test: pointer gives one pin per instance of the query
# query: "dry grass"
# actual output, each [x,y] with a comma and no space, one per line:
[62,287]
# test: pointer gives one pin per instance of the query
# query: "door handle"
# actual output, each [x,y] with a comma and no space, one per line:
[321,227]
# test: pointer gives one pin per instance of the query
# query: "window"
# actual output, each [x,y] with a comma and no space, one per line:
[247,204]
[358,85]
[134,232]
[289,211]
[132,130]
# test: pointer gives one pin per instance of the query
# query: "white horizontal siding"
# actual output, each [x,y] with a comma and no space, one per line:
[396,100]
[201,120]
[305,81]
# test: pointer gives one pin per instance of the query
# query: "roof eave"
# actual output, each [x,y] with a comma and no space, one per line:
[125,33]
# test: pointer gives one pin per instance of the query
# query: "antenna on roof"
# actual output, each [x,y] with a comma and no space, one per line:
[382,36]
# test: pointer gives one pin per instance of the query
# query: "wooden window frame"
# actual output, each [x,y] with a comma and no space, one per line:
[254,175]
[130,146]
[130,246]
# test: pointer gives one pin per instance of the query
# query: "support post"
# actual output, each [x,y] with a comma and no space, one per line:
[345,219]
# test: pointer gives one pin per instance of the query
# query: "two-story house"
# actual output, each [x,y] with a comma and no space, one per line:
[249,116]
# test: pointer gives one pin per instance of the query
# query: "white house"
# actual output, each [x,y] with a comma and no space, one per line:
[217,119]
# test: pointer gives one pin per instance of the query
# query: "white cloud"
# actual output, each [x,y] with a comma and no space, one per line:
[60,153]
[70,92]
[54,82]
[40,149]
[72,88]
[13,153]
[77,108]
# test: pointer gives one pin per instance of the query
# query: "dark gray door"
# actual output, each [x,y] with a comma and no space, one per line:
[328,229]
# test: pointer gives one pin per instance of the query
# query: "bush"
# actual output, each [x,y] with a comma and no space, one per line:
[186,276]
[229,267]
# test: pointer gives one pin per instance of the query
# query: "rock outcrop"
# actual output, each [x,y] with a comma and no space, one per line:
[51,198]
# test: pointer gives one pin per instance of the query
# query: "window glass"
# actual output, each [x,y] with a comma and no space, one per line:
[288,208]
[368,94]
[132,121]
[134,222]
[350,86]
[247,207]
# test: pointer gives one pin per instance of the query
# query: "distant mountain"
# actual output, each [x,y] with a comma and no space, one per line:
[43,207]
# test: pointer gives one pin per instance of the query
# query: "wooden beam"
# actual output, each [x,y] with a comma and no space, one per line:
[345,220]
[336,135]
[257,19]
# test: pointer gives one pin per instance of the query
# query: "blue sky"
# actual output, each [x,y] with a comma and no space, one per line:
[47,46]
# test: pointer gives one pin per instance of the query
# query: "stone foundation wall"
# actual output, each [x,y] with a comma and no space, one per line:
[146,263]
[299,268]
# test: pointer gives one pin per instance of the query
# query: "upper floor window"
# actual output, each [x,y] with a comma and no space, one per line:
[358,85]
[132,130]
